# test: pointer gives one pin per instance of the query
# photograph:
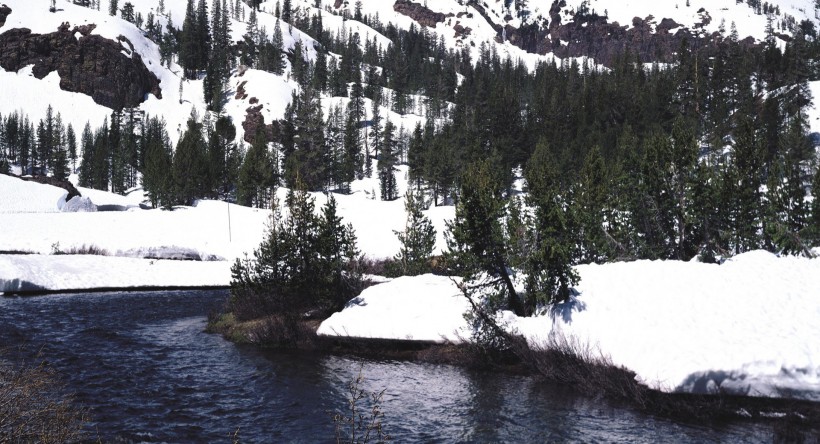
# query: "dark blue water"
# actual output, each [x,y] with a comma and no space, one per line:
[147,372]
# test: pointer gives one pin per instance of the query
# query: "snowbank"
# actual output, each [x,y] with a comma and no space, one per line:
[749,326]
[423,308]
[20,196]
[78,272]
[79,204]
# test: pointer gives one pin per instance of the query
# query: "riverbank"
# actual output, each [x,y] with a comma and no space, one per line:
[71,273]
[592,376]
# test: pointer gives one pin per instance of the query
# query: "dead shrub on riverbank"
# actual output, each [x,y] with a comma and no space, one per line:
[282,331]
[33,407]
[362,422]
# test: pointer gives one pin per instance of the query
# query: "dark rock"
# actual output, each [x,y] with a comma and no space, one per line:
[461,31]
[254,122]
[667,25]
[4,12]
[92,65]
[240,91]
[421,14]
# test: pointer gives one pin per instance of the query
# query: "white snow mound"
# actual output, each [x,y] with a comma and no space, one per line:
[21,196]
[749,326]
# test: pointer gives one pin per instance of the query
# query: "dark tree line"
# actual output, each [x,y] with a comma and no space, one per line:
[47,148]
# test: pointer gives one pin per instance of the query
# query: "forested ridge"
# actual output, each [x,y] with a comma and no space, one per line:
[708,156]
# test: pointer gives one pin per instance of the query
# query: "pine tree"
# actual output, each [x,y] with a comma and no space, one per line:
[112,7]
[127,13]
[249,47]
[71,145]
[590,205]
[387,164]
[117,160]
[303,264]
[549,267]
[745,181]
[188,45]
[156,177]
[416,155]
[190,165]
[257,175]
[86,164]
[814,220]
[277,65]
[418,238]
[286,11]
[101,162]
[202,36]
[337,250]
[476,239]
[309,160]
[220,148]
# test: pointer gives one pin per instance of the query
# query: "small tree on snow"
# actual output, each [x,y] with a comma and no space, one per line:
[418,238]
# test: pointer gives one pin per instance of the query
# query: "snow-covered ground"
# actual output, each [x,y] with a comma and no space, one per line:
[32,273]
[214,231]
[750,325]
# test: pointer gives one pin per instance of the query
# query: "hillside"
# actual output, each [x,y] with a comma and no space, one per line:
[613,169]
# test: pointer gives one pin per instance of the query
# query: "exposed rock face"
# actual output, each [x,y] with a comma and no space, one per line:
[592,36]
[419,13]
[4,12]
[585,35]
[92,65]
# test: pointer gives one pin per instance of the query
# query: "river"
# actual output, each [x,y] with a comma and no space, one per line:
[146,370]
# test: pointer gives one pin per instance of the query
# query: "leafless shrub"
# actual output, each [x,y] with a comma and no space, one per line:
[378,267]
[282,331]
[569,361]
[361,424]
[33,408]
[77,250]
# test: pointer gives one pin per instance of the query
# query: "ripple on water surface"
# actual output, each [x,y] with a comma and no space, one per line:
[144,366]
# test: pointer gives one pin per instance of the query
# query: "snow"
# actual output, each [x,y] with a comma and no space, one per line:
[814,110]
[76,108]
[748,326]
[79,272]
[413,319]
[16,196]
[211,230]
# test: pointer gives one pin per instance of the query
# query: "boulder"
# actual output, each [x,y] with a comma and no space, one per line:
[78,204]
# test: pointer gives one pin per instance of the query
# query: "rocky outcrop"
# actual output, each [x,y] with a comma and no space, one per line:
[4,12]
[255,122]
[108,71]
[421,14]
[592,36]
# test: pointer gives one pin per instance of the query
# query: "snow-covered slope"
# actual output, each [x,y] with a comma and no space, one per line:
[212,231]
[19,196]
[688,13]
[748,326]
[21,92]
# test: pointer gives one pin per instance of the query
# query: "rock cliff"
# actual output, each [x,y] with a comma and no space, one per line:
[107,70]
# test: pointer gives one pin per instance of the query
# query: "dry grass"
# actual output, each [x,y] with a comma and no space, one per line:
[80,250]
[33,407]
